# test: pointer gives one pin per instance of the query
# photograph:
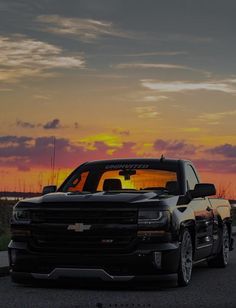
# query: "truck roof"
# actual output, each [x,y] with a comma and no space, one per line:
[138,160]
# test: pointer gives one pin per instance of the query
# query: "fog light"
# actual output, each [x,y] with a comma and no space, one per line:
[20,232]
[157,259]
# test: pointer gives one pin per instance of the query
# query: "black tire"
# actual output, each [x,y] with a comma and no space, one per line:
[186,259]
[222,258]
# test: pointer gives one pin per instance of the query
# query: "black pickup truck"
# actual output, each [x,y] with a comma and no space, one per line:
[119,220]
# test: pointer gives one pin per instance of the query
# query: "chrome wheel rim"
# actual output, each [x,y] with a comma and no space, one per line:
[225,245]
[186,257]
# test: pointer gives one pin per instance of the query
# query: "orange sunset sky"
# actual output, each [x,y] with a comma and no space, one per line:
[113,79]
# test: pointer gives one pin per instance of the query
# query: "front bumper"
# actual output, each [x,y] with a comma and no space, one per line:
[57,273]
[147,260]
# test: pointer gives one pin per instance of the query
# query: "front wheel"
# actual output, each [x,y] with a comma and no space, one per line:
[186,259]
[222,258]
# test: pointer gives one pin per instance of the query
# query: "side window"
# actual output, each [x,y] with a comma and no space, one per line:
[191,177]
[78,183]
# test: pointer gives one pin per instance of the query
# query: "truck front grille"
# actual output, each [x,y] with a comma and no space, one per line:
[102,230]
[85,216]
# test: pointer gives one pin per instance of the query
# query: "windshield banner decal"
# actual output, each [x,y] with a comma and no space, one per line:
[126,166]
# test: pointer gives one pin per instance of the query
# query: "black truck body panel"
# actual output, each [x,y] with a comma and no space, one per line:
[98,234]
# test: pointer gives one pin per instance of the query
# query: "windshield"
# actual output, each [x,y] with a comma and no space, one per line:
[95,180]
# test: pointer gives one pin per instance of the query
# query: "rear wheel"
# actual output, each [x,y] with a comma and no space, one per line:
[222,258]
[186,259]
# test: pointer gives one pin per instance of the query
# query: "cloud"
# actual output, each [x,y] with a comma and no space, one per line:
[151,65]
[216,165]
[23,124]
[86,29]
[41,97]
[23,57]
[121,132]
[162,66]
[227,150]
[143,96]
[156,53]
[54,124]
[127,149]
[11,140]
[180,37]
[218,159]
[174,147]
[153,98]
[213,118]
[182,86]
[147,112]
[25,153]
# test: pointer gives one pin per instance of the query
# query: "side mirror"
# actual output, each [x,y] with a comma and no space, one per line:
[203,190]
[49,189]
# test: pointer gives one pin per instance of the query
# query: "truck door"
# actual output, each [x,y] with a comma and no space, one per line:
[204,218]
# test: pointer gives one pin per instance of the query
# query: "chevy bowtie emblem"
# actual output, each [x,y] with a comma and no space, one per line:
[79,227]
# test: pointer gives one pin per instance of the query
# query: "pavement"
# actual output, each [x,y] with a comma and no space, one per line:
[209,288]
[4,264]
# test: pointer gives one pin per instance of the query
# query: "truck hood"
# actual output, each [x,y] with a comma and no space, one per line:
[101,197]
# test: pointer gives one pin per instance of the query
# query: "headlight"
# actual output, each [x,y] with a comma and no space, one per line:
[21,215]
[153,219]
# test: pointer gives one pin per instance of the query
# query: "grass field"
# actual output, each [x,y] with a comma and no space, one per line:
[4,241]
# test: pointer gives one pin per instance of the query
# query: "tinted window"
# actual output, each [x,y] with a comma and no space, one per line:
[78,182]
[142,179]
[100,179]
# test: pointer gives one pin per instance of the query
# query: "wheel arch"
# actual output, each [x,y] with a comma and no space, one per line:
[227,221]
[191,226]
